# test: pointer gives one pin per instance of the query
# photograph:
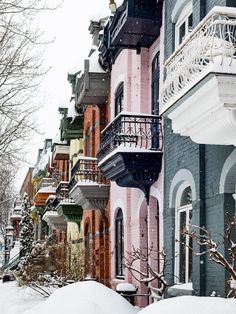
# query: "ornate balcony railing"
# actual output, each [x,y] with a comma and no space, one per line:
[62,193]
[86,170]
[210,47]
[129,131]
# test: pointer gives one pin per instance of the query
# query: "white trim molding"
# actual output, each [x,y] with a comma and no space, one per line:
[118,204]
[178,9]
[183,175]
[228,174]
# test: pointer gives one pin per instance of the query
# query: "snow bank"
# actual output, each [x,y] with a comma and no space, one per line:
[192,305]
[87,297]
[16,300]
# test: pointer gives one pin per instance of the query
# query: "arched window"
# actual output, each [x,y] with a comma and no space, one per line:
[183,261]
[119,244]
[87,142]
[184,22]
[155,83]
[88,250]
[119,99]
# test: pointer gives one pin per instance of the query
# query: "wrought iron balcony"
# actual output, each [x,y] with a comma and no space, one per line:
[130,151]
[199,85]
[135,24]
[88,186]
[131,132]
[66,207]
[62,194]
[86,170]
[210,47]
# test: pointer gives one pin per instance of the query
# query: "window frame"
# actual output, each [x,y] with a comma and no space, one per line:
[119,99]
[183,18]
[88,250]
[187,209]
[119,244]
[87,142]
[155,83]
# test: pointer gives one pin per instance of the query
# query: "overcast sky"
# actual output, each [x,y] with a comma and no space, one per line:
[69,26]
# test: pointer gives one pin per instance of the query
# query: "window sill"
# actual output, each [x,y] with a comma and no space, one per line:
[120,277]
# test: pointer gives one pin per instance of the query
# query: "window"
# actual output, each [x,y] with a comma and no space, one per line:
[155,83]
[119,99]
[119,244]
[87,142]
[88,251]
[183,262]
[184,24]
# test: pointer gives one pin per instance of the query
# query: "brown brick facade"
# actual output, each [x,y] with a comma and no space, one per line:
[95,223]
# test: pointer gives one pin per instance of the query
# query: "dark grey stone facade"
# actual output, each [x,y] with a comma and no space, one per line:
[205,163]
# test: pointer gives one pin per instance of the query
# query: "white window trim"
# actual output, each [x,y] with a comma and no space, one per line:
[179,209]
[183,17]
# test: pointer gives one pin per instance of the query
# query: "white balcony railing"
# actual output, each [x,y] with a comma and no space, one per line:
[211,47]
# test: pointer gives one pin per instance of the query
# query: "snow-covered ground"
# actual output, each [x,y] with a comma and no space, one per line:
[192,305]
[93,298]
[79,298]
[16,300]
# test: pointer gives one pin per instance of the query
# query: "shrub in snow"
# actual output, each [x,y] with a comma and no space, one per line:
[50,263]
[149,273]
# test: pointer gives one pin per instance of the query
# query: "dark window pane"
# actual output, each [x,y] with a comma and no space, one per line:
[119,245]
[87,142]
[88,251]
[155,83]
[182,246]
[182,32]
[190,259]
[190,22]
[186,197]
[119,99]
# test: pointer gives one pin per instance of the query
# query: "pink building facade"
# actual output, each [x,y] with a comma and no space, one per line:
[142,222]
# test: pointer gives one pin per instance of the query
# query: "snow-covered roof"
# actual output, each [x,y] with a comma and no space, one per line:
[94,65]
[74,69]
[47,189]
[100,14]
[57,139]
[43,161]
[72,112]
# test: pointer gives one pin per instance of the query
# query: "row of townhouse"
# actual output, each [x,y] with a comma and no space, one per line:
[147,143]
